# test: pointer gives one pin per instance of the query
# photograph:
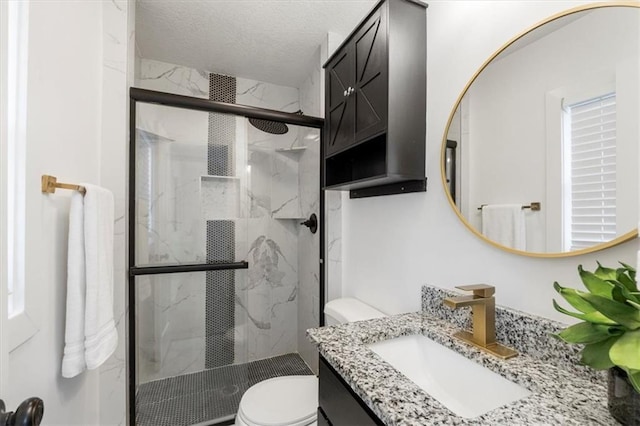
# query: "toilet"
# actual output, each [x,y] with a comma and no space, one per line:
[293,400]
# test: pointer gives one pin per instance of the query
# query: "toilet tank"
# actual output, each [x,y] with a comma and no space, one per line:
[348,309]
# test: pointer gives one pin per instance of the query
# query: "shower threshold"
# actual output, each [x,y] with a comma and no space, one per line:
[211,396]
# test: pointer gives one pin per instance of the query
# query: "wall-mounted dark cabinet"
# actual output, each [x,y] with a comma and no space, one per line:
[375,103]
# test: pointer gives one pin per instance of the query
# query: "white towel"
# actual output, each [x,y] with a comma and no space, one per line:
[73,360]
[504,224]
[90,300]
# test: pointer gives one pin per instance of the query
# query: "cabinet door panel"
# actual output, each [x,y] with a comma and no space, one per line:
[370,103]
[338,402]
[370,47]
[340,127]
[370,44]
[340,77]
[322,419]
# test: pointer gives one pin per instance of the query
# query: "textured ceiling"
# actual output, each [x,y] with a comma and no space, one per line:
[267,40]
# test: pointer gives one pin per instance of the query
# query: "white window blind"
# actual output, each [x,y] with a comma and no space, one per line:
[591,161]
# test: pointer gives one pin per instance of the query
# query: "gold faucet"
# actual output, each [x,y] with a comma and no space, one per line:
[483,307]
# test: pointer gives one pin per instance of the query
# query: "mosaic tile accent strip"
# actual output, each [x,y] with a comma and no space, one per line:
[222,88]
[222,127]
[208,395]
[559,397]
[220,292]
[221,144]
[529,334]
[220,295]
[218,163]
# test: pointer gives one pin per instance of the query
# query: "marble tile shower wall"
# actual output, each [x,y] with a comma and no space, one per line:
[267,198]
[117,29]
[271,289]
[171,308]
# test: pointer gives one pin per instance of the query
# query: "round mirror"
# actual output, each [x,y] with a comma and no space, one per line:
[540,156]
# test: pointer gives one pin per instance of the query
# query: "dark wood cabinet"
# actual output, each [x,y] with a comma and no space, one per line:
[322,419]
[356,82]
[339,405]
[375,103]
[339,103]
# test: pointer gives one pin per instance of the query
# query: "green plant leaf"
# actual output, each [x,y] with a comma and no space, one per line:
[605,273]
[586,332]
[623,292]
[593,317]
[573,297]
[621,313]
[596,355]
[634,378]
[595,284]
[628,282]
[631,269]
[625,352]
[617,292]
[634,304]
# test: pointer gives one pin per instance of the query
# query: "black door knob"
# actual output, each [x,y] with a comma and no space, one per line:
[29,413]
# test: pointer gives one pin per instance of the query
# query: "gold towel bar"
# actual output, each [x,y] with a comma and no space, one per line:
[50,183]
[534,206]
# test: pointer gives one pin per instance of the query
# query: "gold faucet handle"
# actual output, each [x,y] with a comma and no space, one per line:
[480,290]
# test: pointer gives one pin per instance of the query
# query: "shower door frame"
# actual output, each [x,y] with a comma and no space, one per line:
[198,104]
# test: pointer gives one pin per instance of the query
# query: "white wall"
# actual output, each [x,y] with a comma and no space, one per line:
[63,139]
[77,131]
[393,245]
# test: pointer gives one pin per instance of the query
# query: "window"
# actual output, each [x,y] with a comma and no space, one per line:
[16,137]
[590,172]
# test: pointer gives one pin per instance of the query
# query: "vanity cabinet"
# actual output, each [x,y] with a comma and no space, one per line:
[375,103]
[339,405]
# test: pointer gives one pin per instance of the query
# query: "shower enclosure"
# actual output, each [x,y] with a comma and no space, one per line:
[223,278]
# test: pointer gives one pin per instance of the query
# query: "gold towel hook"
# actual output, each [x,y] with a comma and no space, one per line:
[50,183]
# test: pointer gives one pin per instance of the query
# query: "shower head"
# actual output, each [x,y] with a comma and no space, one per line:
[273,127]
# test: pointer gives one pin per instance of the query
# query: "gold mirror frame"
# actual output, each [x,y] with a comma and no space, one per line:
[619,240]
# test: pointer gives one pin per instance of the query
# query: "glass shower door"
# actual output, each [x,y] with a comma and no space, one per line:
[224,278]
[190,176]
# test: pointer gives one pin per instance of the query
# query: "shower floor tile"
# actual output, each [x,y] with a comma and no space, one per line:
[210,395]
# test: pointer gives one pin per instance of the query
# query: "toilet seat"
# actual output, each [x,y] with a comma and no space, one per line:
[281,401]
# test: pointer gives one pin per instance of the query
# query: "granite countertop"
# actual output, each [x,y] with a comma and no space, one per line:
[559,396]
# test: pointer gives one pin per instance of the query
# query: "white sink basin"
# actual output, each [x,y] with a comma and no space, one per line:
[463,386]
